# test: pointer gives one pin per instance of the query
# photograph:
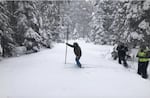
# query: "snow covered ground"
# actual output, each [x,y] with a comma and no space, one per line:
[44,75]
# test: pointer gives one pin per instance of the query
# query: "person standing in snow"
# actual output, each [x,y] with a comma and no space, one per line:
[122,49]
[143,60]
[77,52]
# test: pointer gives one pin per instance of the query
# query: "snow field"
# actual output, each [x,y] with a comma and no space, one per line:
[44,75]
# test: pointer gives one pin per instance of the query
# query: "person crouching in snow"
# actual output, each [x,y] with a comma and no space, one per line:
[77,52]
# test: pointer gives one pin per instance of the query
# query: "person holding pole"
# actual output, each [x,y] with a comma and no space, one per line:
[77,52]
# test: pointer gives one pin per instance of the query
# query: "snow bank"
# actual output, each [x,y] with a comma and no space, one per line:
[18,51]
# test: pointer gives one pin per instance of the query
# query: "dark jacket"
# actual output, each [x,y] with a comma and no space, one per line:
[122,50]
[77,49]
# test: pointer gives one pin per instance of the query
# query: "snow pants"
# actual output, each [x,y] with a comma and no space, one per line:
[77,61]
[122,58]
[142,69]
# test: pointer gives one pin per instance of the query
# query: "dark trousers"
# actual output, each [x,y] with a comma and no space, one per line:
[77,61]
[122,58]
[142,69]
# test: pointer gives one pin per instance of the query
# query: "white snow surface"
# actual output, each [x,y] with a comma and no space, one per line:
[44,75]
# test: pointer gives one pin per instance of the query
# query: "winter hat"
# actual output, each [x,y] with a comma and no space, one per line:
[143,47]
[75,44]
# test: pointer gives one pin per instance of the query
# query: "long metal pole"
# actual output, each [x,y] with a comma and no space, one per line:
[66,45]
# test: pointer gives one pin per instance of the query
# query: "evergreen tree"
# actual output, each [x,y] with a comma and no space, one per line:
[6,32]
[103,18]
[26,19]
[139,22]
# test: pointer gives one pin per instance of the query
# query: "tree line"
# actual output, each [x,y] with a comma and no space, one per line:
[123,20]
[30,24]
[36,24]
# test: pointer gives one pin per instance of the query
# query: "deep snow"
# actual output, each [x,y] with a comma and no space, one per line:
[44,75]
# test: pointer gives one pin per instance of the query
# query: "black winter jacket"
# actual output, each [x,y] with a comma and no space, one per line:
[77,49]
[122,50]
